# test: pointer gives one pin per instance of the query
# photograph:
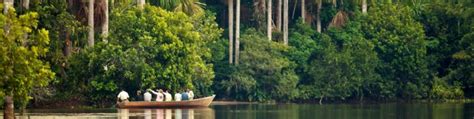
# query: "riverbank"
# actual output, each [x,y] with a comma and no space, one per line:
[222,102]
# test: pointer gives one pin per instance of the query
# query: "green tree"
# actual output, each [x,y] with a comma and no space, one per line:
[400,43]
[210,33]
[21,66]
[302,40]
[342,65]
[446,26]
[264,73]
[62,27]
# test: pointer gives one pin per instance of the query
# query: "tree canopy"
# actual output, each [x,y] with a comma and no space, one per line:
[23,47]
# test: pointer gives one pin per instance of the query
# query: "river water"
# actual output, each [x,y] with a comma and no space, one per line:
[271,111]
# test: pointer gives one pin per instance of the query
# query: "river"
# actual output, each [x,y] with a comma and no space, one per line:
[271,111]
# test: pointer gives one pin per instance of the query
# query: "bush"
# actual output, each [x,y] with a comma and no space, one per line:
[442,90]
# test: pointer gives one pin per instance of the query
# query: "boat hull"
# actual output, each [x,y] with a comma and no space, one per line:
[200,102]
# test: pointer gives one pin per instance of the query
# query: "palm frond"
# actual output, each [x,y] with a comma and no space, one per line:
[339,20]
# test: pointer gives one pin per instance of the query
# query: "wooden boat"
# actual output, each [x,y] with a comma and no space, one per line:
[200,102]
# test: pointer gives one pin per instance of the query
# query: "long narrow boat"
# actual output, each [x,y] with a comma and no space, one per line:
[200,102]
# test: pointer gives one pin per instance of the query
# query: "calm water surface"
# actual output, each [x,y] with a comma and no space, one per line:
[272,111]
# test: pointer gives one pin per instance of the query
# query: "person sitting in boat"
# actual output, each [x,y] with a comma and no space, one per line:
[139,95]
[159,95]
[184,96]
[147,96]
[168,96]
[190,94]
[177,96]
[122,96]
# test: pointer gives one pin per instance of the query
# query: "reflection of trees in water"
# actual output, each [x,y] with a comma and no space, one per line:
[191,113]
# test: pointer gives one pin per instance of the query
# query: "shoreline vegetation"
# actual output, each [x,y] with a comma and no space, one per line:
[81,53]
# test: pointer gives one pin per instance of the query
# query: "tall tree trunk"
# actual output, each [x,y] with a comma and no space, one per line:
[237,33]
[334,3]
[318,16]
[90,40]
[364,6]
[140,3]
[9,112]
[285,22]
[112,2]
[294,9]
[7,4]
[280,3]
[26,4]
[269,20]
[105,25]
[303,10]
[231,30]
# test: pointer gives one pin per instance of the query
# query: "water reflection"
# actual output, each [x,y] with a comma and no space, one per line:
[167,114]
[270,111]
[122,113]
[160,114]
[148,114]
[191,113]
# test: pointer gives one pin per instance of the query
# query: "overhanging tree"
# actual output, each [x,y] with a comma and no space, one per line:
[21,66]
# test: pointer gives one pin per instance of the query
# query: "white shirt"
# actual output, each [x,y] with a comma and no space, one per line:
[147,96]
[123,95]
[177,97]
[168,96]
[191,95]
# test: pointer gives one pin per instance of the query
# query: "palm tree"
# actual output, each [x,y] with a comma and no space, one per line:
[91,13]
[269,20]
[190,7]
[279,15]
[90,21]
[237,33]
[140,4]
[259,11]
[105,25]
[318,17]
[26,4]
[340,19]
[166,4]
[7,4]
[231,29]
[285,22]
[303,10]
[364,6]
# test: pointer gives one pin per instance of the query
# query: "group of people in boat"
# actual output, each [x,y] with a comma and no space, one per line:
[160,96]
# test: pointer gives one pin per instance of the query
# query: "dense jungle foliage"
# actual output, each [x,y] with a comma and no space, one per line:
[397,50]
